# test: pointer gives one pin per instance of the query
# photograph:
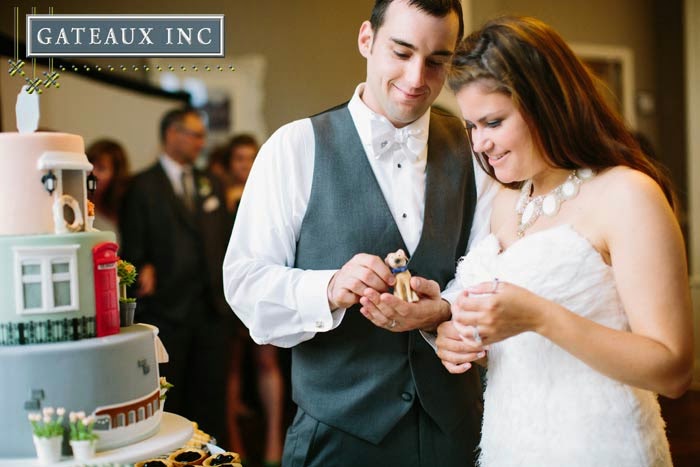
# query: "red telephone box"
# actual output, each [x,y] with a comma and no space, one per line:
[104,259]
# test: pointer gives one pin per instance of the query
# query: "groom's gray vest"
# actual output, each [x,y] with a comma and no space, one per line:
[360,378]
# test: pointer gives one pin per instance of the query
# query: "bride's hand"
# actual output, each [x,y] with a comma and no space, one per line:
[497,312]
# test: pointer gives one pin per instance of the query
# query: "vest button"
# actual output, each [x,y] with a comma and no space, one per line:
[407,396]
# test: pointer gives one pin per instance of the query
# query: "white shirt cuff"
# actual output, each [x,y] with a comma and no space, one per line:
[312,301]
[451,295]
[430,339]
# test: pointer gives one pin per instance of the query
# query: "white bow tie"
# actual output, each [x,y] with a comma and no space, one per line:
[385,136]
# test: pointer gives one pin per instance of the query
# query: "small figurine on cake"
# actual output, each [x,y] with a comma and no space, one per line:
[90,216]
[398,262]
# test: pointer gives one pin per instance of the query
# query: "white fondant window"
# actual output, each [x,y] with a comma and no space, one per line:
[132,417]
[31,285]
[142,414]
[46,279]
[149,410]
[60,278]
[121,419]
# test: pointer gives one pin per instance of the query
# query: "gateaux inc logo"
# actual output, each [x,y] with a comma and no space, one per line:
[60,36]
[125,35]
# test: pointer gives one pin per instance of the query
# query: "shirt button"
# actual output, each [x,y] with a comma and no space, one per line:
[319,324]
[407,396]
[404,215]
[398,165]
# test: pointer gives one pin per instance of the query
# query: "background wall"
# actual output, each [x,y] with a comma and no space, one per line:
[311,62]
[311,51]
[311,58]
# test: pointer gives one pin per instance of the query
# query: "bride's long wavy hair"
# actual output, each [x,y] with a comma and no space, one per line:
[571,123]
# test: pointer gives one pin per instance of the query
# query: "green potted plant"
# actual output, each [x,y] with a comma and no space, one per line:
[47,432]
[165,386]
[127,305]
[82,438]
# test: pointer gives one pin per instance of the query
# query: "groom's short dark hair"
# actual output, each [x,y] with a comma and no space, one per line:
[437,8]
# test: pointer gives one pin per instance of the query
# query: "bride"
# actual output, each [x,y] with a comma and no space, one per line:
[579,295]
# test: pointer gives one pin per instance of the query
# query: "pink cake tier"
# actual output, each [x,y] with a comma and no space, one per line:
[27,206]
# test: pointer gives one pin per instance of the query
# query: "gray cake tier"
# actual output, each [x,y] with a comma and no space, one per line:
[101,374]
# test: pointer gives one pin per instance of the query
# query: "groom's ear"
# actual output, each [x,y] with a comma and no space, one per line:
[365,39]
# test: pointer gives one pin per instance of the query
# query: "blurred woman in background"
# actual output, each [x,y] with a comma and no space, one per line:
[111,168]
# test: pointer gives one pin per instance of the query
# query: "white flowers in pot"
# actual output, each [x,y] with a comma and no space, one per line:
[82,437]
[47,432]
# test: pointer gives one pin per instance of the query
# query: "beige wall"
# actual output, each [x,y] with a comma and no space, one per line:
[311,44]
[311,51]
[312,62]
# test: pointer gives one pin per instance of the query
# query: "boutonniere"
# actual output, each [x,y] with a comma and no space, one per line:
[210,204]
[203,187]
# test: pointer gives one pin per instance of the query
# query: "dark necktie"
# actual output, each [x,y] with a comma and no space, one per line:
[188,188]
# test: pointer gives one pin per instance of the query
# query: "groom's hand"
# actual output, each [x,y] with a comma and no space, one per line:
[390,312]
[362,271]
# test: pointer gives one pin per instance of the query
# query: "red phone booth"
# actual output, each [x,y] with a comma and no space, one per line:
[104,258]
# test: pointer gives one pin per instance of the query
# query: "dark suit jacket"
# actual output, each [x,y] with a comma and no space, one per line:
[186,248]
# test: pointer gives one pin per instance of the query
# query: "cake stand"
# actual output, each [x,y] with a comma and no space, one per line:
[174,432]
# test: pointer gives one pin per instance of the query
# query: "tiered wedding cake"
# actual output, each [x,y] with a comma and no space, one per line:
[60,340]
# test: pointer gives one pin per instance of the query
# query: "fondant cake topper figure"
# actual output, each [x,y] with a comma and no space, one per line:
[27,111]
[398,262]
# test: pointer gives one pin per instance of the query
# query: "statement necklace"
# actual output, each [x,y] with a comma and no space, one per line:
[530,209]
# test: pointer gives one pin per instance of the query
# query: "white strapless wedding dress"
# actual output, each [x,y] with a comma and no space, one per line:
[542,406]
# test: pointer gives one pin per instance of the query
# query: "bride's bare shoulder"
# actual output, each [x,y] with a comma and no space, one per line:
[629,201]
[624,187]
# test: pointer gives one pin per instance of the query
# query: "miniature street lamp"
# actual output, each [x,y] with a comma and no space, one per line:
[91,182]
[49,181]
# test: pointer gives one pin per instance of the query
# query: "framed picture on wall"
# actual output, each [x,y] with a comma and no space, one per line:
[614,66]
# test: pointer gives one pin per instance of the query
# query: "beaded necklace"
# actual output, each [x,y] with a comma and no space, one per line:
[530,209]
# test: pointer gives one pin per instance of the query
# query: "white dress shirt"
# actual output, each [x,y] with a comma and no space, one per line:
[283,305]
[173,170]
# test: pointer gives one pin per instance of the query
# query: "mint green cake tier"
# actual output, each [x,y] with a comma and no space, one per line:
[17,328]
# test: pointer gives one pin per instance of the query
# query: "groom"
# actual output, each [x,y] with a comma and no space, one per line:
[337,192]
